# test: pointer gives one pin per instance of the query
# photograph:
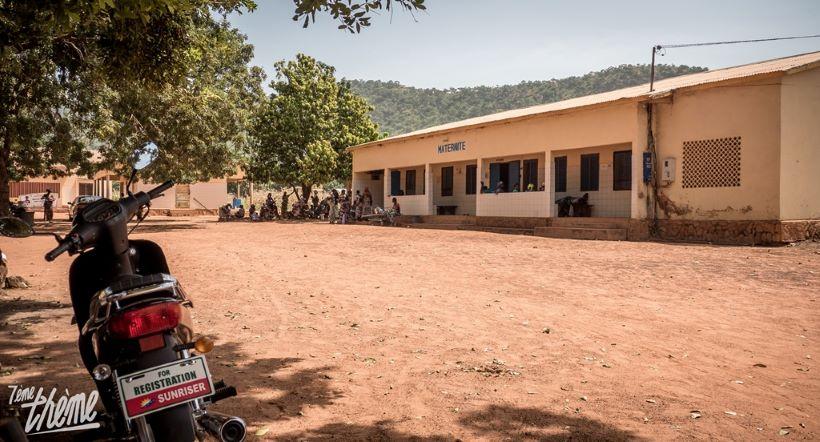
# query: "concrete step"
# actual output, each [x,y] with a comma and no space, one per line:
[581,233]
[448,219]
[590,223]
[435,226]
[501,230]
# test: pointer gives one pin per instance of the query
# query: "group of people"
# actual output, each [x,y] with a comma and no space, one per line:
[336,207]
[501,188]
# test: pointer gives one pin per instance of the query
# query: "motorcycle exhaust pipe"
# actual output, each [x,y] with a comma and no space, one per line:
[225,428]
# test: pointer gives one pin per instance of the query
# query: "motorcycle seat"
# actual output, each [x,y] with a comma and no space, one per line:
[131,282]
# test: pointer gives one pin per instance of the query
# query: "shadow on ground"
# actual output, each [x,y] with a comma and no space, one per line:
[271,388]
[494,422]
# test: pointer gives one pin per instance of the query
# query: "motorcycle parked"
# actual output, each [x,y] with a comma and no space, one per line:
[136,335]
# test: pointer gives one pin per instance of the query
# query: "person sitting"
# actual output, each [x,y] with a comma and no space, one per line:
[499,188]
[240,212]
[484,188]
[516,188]
[252,213]
[396,207]
[541,189]
[225,212]
[530,187]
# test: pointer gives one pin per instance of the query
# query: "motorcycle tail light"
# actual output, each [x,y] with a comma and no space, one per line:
[146,321]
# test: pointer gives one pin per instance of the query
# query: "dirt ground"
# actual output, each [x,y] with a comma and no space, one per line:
[369,333]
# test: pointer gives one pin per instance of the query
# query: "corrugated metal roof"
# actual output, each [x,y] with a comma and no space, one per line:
[662,87]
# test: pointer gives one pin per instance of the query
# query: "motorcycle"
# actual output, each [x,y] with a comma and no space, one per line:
[136,336]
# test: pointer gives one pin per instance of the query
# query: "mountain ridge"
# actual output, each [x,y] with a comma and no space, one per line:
[400,109]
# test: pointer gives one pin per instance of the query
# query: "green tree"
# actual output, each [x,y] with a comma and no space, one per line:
[301,132]
[79,77]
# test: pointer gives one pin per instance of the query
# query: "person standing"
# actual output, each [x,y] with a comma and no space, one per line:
[367,207]
[334,206]
[358,204]
[345,209]
[314,201]
[284,203]
[48,204]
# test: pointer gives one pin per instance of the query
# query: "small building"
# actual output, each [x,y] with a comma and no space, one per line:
[730,155]
[200,197]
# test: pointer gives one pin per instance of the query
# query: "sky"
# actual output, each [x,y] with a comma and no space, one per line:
[459,43]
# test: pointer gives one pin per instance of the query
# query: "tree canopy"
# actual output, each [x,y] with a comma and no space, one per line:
[400,109]
[83,79]
[300,133]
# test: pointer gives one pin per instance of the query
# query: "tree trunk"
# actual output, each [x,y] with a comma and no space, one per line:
[5,155]
[306,188]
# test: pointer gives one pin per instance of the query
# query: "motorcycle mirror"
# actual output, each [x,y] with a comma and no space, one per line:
[15,227]
[146,155]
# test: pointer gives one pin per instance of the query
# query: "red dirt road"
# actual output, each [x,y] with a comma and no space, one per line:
[369,333]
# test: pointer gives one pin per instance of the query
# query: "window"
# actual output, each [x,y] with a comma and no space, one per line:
[395,182]
[530,174]
[622,170]
[447,181]
[589,172]
[471,178]
[410,182]
[86,188]
[509,173]
[560,174]
[711,163]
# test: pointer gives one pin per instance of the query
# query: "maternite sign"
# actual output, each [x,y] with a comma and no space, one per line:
[458,146]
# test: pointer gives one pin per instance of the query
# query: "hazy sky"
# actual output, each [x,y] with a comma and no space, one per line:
[489,42]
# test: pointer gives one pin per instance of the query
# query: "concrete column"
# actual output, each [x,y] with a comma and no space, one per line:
[549,184]
[639,146]
[428,188]
[479,177]
[107,187]
[387,201]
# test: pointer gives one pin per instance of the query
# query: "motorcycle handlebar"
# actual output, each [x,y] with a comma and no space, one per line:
[157,191]
[85,237]
[64,246]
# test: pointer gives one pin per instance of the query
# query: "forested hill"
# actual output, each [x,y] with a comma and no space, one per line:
[401,109]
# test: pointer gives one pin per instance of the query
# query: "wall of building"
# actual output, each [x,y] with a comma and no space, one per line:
[211,194]
[613,124]
[465,204]
[800,146]
[750,111]
[410,204]
[362,181]
[528,138]
[514,204]
[606,201]
[772,184]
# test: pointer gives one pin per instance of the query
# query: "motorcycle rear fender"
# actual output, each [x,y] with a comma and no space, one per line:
[94,270]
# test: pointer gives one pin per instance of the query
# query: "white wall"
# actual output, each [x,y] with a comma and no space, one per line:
[800,146]
[521,204]
[411,204]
